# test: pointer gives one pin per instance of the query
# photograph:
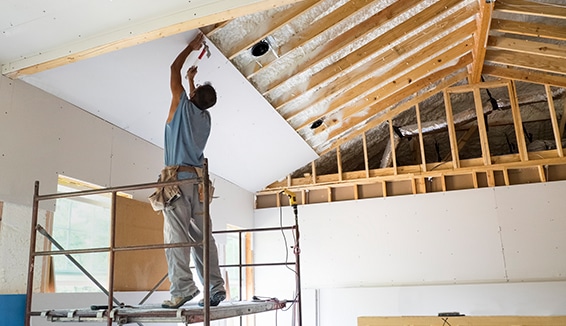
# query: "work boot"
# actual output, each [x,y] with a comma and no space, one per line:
[176,302]
[215,299]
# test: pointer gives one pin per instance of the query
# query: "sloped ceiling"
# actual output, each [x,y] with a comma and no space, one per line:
[354,77]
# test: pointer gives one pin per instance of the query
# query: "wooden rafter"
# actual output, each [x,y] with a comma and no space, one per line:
[343,40]
[480,37]
[405,85]
[376,45]
[390,112]
[276,22]
[554,120]
[529,29]
[517,122]
[527,61]
[303,36]
[524,7]
[526,76]
[377,87]
[527,47]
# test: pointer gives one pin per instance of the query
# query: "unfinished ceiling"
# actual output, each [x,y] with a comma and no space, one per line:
[349,77]
[383,89]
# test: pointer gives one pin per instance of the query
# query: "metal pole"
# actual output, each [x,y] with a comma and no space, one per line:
[298,266]
[74,261]
[111,257]
[206,244]
[31,261]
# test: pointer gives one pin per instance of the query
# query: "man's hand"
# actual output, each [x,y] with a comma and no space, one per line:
[191,72]
[196,43]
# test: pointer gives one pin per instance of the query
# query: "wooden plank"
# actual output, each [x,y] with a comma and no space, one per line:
[451,130]
[366,160]
[270,25]
[463,321]
[523,7]
[517,122]
[529,29]
[393,145]
[529,47]
[303,36]
[484,141]
[554,120]
[339,163]
[527,61]
[527,76]
[323,52]
[352,59]
[480,37]
[467,88]
[421,140]
[182,21]
[416,86]
[541,173]
[464,139]
[563,121]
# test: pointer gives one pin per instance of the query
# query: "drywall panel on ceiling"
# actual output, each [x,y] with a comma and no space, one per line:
[250,144]
[533,228]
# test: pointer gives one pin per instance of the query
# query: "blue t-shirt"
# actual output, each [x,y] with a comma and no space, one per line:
[186,134]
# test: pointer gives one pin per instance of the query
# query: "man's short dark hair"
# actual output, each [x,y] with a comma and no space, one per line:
[204,97]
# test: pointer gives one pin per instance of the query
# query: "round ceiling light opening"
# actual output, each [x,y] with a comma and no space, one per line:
[260,48]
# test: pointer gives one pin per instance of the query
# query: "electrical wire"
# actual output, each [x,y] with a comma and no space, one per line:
[287,257]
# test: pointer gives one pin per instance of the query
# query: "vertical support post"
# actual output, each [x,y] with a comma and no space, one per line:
[365,147]
[484,142]
[451,131]
[421,140]
[206,244]
[554,119]
[339,163]
[517,122]
[393,145]
[112,254]
[31,257]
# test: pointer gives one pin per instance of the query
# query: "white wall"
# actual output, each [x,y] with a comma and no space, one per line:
[485,251]
[42,136]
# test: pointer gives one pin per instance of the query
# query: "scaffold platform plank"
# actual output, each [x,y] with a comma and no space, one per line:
[188,314]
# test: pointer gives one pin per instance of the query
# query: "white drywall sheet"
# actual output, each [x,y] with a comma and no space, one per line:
[250,144]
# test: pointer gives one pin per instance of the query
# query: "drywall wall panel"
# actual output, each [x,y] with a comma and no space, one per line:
[15,228]
[344,306]
[433,238]
[533,230]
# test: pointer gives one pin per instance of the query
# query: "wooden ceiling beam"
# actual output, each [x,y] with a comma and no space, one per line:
[483,22]
[305,35]
[524,75]
[390,111]
[524,7]
[527,61]
[343,40]
[382,84]
[528,47]
[374,104]
[529,29]
[269,26]
[380,42]
[194,16]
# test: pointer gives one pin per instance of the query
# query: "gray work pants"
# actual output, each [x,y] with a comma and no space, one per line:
[184,222]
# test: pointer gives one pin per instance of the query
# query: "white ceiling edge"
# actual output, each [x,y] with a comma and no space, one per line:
[250,144]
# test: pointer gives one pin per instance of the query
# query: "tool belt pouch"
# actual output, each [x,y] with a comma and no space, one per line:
[201,191]
[164,196]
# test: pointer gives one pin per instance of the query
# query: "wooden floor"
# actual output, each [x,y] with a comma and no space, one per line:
[188,314]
